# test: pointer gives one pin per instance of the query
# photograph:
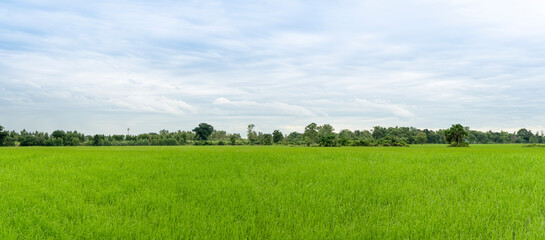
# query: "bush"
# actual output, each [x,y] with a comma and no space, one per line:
[164,142]
[392,141]
[329,141]
[364,143]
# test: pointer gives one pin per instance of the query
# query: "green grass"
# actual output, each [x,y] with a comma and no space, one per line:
[421,192]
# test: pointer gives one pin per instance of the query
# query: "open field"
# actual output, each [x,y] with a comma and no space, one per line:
[430,191]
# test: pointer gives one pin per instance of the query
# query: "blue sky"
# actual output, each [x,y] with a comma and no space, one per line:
[105,66]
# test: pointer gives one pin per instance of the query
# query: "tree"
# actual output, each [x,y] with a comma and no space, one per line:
[421,138]
[252,135]
[325,129]
[329,140]
[267,139]
[203,131]
[98,140]
[524,135]
[277,136]
[456,136]
[58,134]
[219,135]
[3,135]
[295,138]
[379,132]
[311,134]
[345,136]
[233,138]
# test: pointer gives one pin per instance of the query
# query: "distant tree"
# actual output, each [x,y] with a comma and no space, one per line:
[347,134]
[98,140]
[27,140]
[3,136]
[251,134]
[277,136]
[329,141]
[379,132]
[295,138]
[233,138]
[363,134]
[421,138]
[164,134]
[267,139]
[219,135]
[118,138]
[456,135]
[311,134]
[325,129]
[58,134]
[534,139]
[523,135]
[203,131]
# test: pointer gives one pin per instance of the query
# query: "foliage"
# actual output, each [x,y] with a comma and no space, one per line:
[457,136]
[233,138]
[365,143]
[277,136]
[325,130]
[203,131]
[267,139]
[329,140]
[295,138]
[392,141]
[378,136]
[379,132]
[3,136]
[251,134]
[421,138]
[311,134]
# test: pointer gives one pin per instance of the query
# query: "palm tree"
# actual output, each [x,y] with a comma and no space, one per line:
[456,135]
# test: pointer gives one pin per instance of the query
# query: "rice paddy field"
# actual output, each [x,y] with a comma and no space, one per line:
[223,192]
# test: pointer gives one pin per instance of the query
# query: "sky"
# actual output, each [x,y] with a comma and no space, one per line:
[105,66]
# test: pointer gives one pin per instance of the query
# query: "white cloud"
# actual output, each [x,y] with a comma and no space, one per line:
[152,104]
[277,63]
[397,110]
[273,108]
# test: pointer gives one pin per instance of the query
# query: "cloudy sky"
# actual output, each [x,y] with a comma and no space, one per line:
[105,66]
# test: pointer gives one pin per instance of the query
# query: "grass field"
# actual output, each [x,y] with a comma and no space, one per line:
[484,191]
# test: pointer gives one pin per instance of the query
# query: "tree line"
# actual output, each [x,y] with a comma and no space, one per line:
[313,135]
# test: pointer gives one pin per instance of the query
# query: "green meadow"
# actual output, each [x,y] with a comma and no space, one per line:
[417,192]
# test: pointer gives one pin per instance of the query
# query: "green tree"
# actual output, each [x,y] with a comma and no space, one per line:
[98,140]
[3,136]
[233,138]
[267,139]
[345,136]
[523,135]
[27,140]
[379,132]
[325,129]
[329,140]
[456,135]
[311,134]
[203,131]
[277,136]
[58,137]
[295,138]
[421,138]
[252,135]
